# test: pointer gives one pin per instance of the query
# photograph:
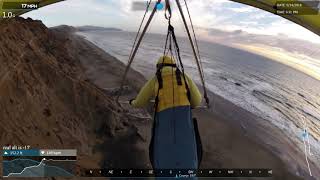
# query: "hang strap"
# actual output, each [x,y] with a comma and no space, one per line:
[195,53]
[171,30]
[168,11]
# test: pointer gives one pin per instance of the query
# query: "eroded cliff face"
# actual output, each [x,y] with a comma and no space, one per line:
[46,100]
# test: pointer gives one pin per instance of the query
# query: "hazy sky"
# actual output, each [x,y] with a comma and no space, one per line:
[220,21]
[221,14]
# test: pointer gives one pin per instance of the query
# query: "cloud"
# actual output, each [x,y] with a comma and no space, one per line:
[280,41]
[247,9]
[219,14]
[220,21]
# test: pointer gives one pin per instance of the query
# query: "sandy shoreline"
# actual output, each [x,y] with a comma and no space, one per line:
[263,136]
[232,137]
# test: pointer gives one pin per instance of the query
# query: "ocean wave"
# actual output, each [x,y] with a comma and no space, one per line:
[269,90]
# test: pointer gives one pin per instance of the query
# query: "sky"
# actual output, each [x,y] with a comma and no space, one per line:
[221,21]
[220,14]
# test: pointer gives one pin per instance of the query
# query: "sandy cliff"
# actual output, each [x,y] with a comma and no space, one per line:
[47,101]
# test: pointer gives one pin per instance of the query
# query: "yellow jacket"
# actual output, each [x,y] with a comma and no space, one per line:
[168,98]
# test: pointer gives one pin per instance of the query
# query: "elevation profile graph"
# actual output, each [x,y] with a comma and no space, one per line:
[39,166]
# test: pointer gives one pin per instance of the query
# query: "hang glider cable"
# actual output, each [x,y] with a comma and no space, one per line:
[136,47]
[195,50]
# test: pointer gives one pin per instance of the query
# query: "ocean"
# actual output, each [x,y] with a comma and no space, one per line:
[287,98]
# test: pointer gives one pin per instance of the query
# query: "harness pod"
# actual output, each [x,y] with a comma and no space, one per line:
[175,139]
[185,86]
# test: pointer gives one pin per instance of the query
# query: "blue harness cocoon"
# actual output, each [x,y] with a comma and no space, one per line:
[174,142]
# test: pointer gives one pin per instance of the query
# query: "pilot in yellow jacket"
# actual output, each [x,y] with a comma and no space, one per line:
[173,144]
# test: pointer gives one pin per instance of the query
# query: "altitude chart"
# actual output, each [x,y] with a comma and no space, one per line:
[39,163]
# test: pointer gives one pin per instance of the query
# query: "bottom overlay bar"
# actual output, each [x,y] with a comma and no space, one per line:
[177,173]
